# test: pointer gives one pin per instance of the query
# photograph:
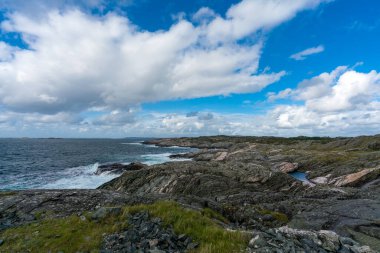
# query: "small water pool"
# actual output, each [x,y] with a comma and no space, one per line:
[301,176]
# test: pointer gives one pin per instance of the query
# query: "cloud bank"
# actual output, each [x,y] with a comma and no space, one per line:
[90,73]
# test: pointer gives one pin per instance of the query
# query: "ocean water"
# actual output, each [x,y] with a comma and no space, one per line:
[71,163]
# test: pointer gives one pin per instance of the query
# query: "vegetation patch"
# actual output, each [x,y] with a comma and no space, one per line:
[81,234]
[214,215]
[281,217]
[212,237]
[70,234]
[7,193]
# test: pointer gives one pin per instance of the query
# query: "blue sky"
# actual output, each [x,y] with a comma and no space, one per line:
[101,68]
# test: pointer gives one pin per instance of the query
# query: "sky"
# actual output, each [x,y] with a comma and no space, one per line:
[168,68]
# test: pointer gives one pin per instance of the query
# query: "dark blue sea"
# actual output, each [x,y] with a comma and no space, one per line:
[70,163]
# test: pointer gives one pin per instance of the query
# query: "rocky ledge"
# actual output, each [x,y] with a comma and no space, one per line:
[241,187]
[147,234]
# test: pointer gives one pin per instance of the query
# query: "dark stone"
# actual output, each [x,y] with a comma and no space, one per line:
[145,234]
[118,168]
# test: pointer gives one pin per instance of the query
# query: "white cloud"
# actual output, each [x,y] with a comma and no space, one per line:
[272,96]
[77,64]
[251,15]
[352,91]
[307,52]
[342,102]
[77,61]
[6,51]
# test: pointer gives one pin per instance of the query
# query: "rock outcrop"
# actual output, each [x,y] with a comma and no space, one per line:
[118,168]
[146,234]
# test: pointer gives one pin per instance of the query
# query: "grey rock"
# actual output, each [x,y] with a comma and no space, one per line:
[145,234]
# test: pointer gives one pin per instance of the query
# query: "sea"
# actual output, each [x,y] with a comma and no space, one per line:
[29,163]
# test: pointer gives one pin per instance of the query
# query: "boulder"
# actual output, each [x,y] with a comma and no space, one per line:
[358,178]
[118,168]
[321,180]
[287,167]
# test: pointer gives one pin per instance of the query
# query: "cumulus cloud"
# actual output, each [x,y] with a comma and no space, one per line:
[307,52]
[76,61]
[343,101]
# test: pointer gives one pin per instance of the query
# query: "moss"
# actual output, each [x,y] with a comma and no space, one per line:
[283,218]
[73,234]
[202,229]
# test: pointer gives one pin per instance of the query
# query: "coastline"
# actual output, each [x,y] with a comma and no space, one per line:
[246,181]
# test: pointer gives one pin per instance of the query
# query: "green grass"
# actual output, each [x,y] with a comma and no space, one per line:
[72,234]
[213,215]
[200,228]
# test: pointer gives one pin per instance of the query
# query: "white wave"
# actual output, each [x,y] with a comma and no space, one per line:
[84,177]
[81,177]
[151,146]
[152,159]
[131,143]
[155,158]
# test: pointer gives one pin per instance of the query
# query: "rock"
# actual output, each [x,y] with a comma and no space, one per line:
[287,167]
[221,156]
[146,234]
[358,178]
[347,241]
[361,249]
[344,249]
[118,168]
[238,186]
[153,242]
[192,246]
[321,180]
[23,206]
[330,240]
[104,212]
[268,217]
[296,240]
[156,251]
[257,242]
[1,242]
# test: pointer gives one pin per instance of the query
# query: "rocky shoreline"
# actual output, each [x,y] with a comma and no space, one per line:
[246,185]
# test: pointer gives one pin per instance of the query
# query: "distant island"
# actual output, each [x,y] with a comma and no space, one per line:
[236,194]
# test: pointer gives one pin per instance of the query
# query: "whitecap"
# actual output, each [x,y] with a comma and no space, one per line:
[152,159]
[82,177]
[131,143]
